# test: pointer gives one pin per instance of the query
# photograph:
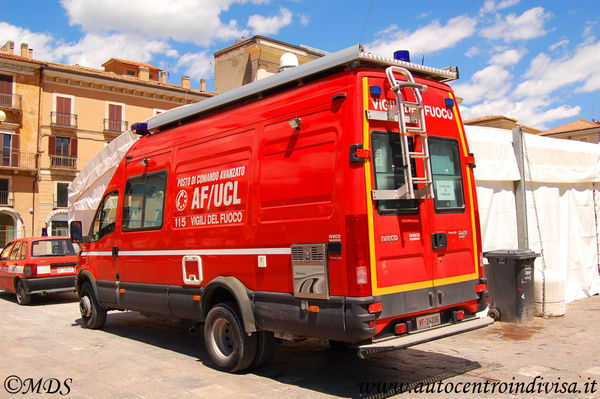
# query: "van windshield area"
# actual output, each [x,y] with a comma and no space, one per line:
[45,248]
[389,172]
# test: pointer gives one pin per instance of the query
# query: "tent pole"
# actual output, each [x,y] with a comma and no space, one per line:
[520,190]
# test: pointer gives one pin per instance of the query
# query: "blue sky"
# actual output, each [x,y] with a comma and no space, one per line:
[535,61]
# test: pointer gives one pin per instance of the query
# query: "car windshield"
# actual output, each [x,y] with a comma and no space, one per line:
[58,247]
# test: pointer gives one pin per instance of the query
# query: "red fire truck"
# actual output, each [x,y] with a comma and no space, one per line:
[334,200]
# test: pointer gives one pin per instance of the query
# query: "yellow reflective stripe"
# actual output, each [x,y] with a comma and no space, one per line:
[366,146]
[470,188]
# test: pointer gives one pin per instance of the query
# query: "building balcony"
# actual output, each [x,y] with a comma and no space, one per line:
[112,126]
[17,160]
[62,162]
[11,102]
[60,119]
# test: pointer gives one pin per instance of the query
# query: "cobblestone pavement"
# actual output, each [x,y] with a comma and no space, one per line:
[139,357]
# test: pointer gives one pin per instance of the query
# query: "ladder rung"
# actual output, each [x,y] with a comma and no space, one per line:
[412,85]
[421,180]
[413,105]
[417,156]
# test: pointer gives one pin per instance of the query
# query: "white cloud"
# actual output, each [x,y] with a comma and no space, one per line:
[490,5]
[534,113]
[492,82]
[196,65]
[563,43]
[527,26]
[425,40]
[546,74]
[180,20]
[270,25]
[473,51]
[107,46]
[304,19]
[508,57]
[42,43]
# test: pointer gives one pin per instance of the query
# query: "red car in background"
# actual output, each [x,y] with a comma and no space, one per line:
[37,265]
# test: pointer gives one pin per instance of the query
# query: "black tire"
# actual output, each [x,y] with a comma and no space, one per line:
[93,315]
[494,313]
[228,345]
[265,349]
[23,297]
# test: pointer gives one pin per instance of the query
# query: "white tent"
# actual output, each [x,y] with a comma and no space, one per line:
[562,204]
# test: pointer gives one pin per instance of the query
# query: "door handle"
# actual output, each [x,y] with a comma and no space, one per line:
[440,297]
[431,298]
[439,240]
[115,251]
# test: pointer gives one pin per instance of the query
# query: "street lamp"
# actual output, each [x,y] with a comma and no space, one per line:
[2,116]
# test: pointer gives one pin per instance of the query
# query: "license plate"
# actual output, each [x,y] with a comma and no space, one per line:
[65,270]
[428,321]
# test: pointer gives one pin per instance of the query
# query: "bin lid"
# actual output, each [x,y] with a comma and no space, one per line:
[512,254]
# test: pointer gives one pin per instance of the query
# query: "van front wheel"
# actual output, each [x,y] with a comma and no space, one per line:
[93,315]
[228,345]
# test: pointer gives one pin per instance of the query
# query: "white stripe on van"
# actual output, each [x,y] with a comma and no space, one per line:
[232,251]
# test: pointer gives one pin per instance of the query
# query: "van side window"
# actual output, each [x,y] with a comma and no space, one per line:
[144,202]
[389,172]
[106,216]
[447,176]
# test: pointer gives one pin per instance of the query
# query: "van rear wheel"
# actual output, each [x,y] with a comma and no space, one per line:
[228,345]
[93,315]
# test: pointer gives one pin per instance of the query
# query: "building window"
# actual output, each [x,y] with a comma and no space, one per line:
[10,150]
[584,139]
[6,90]
[63,114]
[4,192]
[115,123]
[63,152]
[62,195]
[131,73]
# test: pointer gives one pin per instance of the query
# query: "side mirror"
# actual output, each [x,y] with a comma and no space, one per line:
[76,232]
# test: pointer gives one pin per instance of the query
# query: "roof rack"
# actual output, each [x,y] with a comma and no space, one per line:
[355,54]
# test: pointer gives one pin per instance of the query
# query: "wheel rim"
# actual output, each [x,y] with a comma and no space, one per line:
[222,338]
[85,306]
[19,292]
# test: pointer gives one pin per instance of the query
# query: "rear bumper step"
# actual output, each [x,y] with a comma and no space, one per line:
[415,338]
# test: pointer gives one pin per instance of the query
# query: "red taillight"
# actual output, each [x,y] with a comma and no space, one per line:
[376,307]
[357,251]
[400,328]
[458,315]
[480,287]
[30,270]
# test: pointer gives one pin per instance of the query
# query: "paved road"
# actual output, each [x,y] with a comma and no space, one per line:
[139,357]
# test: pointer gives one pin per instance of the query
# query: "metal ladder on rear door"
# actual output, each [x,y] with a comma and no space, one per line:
[419,133]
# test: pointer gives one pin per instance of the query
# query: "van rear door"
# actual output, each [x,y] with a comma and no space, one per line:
[423,250]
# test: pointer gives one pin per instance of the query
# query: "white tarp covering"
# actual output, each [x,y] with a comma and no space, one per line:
[85,191]
[561,216]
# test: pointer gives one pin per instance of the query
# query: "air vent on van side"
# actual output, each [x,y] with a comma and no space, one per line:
[311,277]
